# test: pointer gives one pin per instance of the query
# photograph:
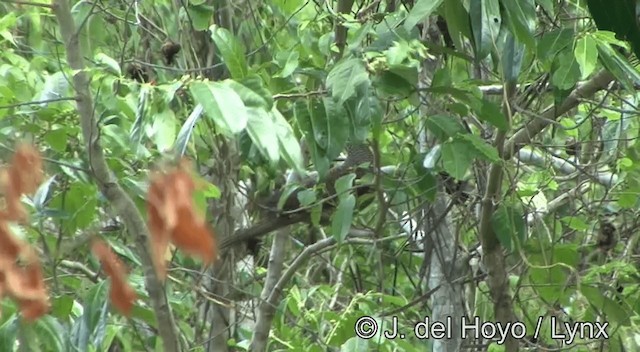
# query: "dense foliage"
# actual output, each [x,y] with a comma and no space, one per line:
[391,159]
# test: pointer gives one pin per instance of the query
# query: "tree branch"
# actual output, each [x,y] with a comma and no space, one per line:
[598,82]
[260,336]
[262,229]
[493,258]
[106,181]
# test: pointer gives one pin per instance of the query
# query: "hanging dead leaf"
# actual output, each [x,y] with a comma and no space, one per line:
[173,217]
[159,240]
[23,176]
[26,285]
[121,294]
[10,246]
[26,169]
[193,236]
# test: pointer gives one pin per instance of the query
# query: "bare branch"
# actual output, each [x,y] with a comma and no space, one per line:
[35,103]
[265,311]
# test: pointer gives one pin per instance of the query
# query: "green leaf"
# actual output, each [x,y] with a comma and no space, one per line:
[307,197]
[456,158]
[553,42]
[618,66]
[253,92]
[57,139]
[289,145]
[458,22]
[8,333]
[290,63]
[566,71]
[491,113]
[140,122]
[419,11]
[391,84]
[444,127]
[42,194]
[586,54]
[575,223]
[398,53]
[338,125]
[262,131]
[320,127]
[51,334]
[345,78]
[512,59]
[286,193]
[185,131]
[480,147]
[344,184]
[164,129]
[613,311]
[368,112]
[200,16]
[509,226]
[111,64]
[62,306]
[79,203]
[210,190]
[55,87]
[232,51]
[341,221]
[485,23]
[304,119]
[222,105]
[521,18]
[124,251]
[95,308]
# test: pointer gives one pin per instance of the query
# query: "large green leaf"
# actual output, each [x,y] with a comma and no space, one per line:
[586,54]
[512,59]
[289,145]
[261,129]
[338,125]
[222,105]
[480,148]
[420,10]
[456,156]
[444,126]
[55,87]
[457,19]
[342,217]
[345,78]
[79,203]
[521,18]
[232,51]
[163,129]
[618,66]
[601,303]
[566,71]
[320,127]
[553,42]
[8,333]
[304,120]
[85,328]
[51,334]
[485,23]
